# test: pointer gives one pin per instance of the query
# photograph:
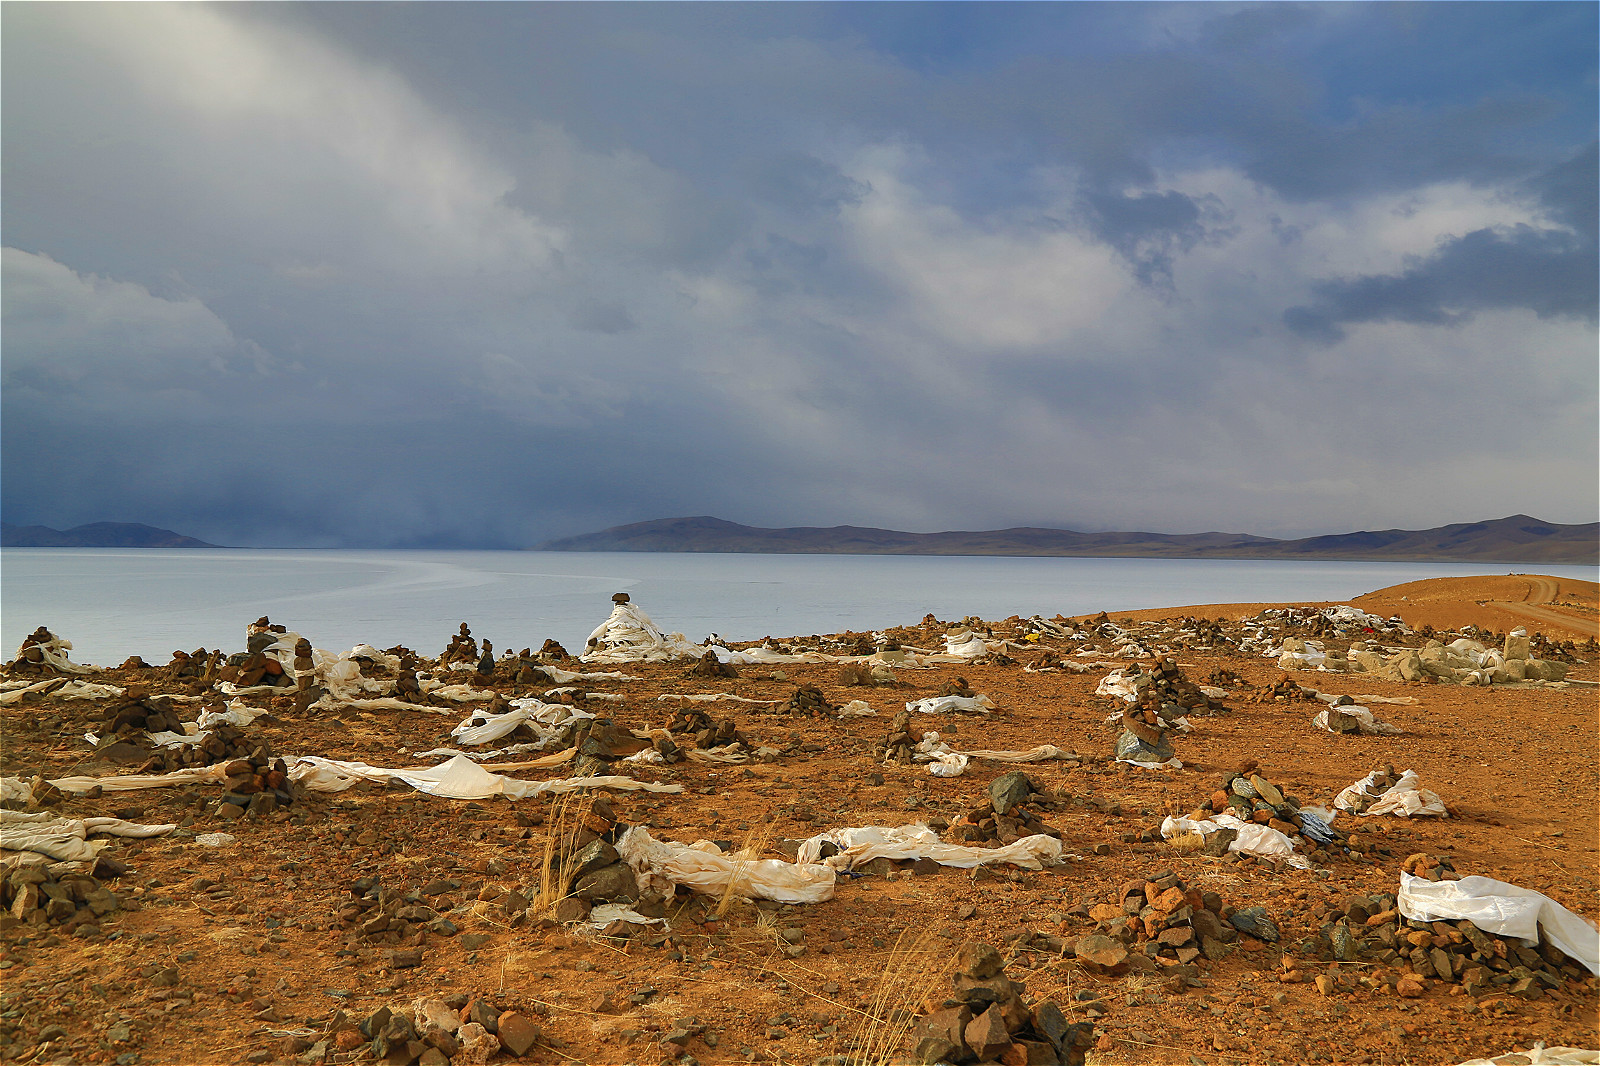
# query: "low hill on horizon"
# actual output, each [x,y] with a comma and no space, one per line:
[96,535]
[1518,538]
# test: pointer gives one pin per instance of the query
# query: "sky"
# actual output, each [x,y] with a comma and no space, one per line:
[479,275]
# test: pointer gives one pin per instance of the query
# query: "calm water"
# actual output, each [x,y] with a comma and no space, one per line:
[114,603]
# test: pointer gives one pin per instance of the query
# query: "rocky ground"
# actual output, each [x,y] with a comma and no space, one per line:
[259,950]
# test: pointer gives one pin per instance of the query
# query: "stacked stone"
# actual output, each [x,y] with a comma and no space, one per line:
[1144,736]
[137,712]
[191,666]
[986,1020]
[553,652]
[304,665]
[1167,921]
[407,688]
[1012,812]
[710,666]
[62,894]
[30,657]
[1178,695]
[526,671]
[596,740]
[1413,956]
[898,745]
[1283,690]
[257,785]
[1250,797]
[809,702]
[461,649]
[379,915]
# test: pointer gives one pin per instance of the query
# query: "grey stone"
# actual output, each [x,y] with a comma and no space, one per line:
[614,882]
[1010,790]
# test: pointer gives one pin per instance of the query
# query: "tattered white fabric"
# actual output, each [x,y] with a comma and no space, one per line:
[15,788]
[556,759]
[628,635]
[1503,909]
[1364,718]
[460,778]
[965,644]
[712,697]
[192,775]
[606,913]
[380,703]
[945,761]
[236,714]
[1406,798]
[66,839]
[857,709]
[1253,839]
[759,656]
[1119,685]
[54,652]
[455,693]
[1299,654]
[547,721]
[1539,1055]
[664,864]
[979,704]
[61,689]
[863,844]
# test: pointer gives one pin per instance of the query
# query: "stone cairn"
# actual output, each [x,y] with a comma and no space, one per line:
[1172,686]
[1283,691]
[1012,812]
[1250,797]
[30,657]
[1145,737]
[67,895]
[808,702]
[986,1020]
[1408,957]
[553,652]
[696,725]
[596,740]
[710,666]
[1169,923]
[898,745]
[461,649]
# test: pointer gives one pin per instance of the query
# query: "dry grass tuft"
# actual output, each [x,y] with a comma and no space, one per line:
[916,967]
[756,840]
[559,857]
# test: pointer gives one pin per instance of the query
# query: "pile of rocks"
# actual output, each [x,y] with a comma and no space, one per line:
[899,744]
[67,895]
[188,667]
[695,723]
[1412,956]
[379,915]
[1145,737]
[986,1020]
[434,1031]
[708,665]
[1013,812]
[1176,695]
[1174,922]
[553,652]
[1250,797]
[863,674]
[809,702]
[138,713]
[461,649]
[257,785]
[1284,690]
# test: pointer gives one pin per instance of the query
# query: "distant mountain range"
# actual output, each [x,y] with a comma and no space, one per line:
[1516,539]
[96,535]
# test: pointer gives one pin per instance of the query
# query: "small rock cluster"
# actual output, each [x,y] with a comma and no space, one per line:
[1174,923]
[696,725]
[433,1031]
[986,1020]
[709,665]
[1418,954]
[1175,694]
[379,915]
[1015,804]
[257,785]
[1250,797]
[63,894]
[899,744]
[461,649]
[808,702]
[1145,737]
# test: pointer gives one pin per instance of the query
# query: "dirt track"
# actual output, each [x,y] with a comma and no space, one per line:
[252,934]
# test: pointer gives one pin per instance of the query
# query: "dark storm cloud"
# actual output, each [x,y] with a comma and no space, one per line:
[443,275]
[1551,272]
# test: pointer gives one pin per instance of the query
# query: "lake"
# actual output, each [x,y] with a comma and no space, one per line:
[113,603]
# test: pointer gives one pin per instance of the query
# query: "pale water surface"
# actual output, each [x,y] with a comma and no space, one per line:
[112,603]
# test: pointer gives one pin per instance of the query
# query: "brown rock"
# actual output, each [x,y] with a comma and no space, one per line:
[986,1034]
[518,1033]
[978,960]
[1101,954]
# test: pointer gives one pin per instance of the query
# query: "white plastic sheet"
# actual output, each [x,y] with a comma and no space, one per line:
[66,839]
[946,704]
[1118,685]
[629,635]
[663,864]
[459,778]
[546,720]
[1253,839]
[1406,798]
[865,843]
[1503,909]
[1539,1055]
[1368,724]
